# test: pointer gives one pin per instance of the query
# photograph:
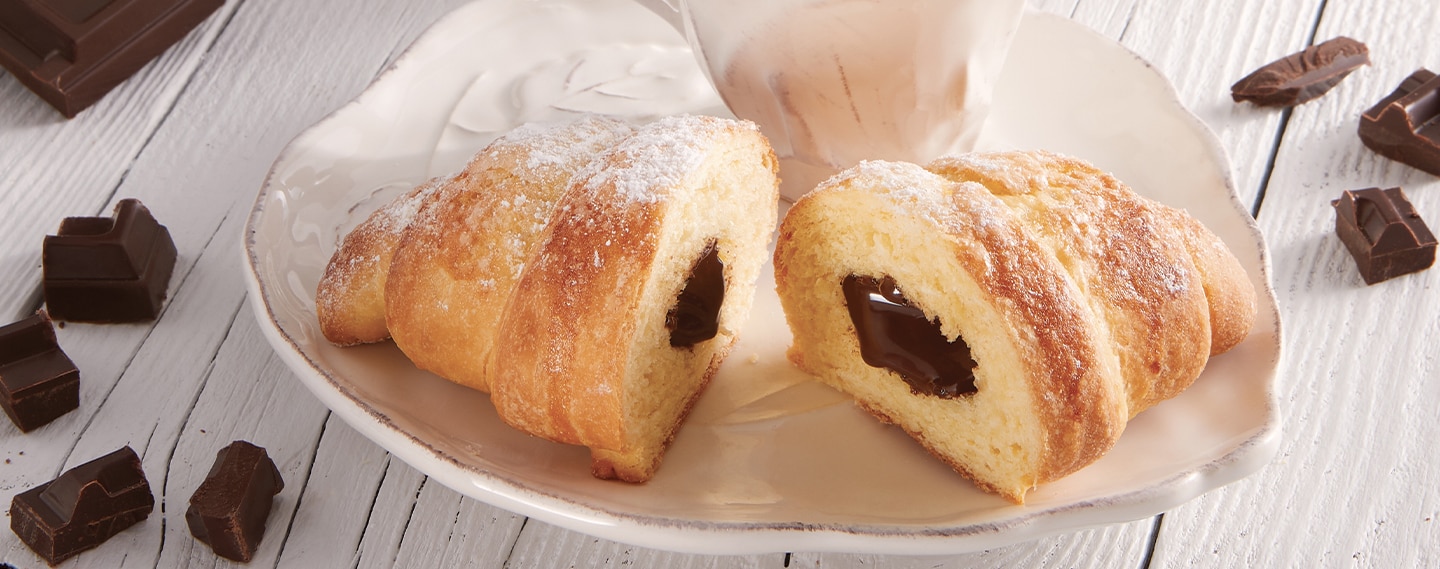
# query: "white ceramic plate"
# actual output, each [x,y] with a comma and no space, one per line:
[769,461]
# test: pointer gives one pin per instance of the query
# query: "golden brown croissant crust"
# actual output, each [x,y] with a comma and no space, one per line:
[1080,303]
[550,273]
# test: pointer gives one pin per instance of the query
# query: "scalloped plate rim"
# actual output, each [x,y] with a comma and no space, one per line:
[708,537]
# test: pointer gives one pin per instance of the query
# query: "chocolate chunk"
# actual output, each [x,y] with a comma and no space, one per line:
[1303,76]
[1405,125]
[38,382]
[229,510]
[895,335]
[84,507]
[696,314]
[102,269]
[1383,232]
[71,53]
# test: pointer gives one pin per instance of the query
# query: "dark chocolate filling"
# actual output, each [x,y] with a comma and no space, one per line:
[696,314]
[895,335]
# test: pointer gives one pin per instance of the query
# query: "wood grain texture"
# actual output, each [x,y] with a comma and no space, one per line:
[1117,546]
[339,500]
[193,134]
[544,545]
[1358,387]
[78,164]
[201,157]
[245,396]
[1203,47]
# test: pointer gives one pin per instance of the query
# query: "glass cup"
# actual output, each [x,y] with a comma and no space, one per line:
[834,82]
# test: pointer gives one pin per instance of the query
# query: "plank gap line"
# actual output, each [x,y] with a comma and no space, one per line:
[106,398]
[175,100]
[1270,160]
[1148,557]
[514,543]
[374,501]
[405,530]
[1284,122]
[1129,17]
[304,483]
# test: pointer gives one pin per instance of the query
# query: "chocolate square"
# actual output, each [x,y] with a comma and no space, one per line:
[102,269]
[38,382]
[229,509]
[1383,232]
[83,507]
[1403,126]
[72,52]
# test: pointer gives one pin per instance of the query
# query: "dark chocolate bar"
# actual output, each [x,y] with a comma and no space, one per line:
[1302,76]
[230,508]
[101,269]
[72,52]
[38,382]
[1383,232]
[1405,125]
[84,507]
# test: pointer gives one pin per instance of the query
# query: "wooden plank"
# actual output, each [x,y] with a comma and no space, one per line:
[199,178]
[1111,18]
[446,529]
[1356,482]
[544,545]
[1114,546]
[1204,46]
[251,395]
[149,402]
[339,498]
[52,167]
[390,515]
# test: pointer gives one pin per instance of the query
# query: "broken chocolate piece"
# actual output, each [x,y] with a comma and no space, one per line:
[38,382]
[1302,76]
[1383,232]
[230,508]
[72,53]
[1405,125]
[102,269]
[84,507]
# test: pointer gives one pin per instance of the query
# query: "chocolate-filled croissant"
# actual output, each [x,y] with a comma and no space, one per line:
[1010,311]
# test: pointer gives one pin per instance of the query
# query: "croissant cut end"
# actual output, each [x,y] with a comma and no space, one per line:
[603,373]
[1049,397]
[1081,302]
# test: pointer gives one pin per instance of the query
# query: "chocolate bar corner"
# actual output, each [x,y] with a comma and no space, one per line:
[229,510]
[83,507]
[1403,126]
[1384,233]
[72,53]
[38,381]
[100,269]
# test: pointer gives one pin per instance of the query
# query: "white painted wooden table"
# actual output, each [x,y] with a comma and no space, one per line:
[1356,481]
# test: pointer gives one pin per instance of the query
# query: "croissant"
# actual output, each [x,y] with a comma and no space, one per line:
[457,265]
[591,276]
[1010,311]
[532,163]
[638,291]
[350,300]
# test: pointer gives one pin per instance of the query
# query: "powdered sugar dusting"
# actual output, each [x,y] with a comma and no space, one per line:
[657,157]
[558,144]
[921,192]
[402,211]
